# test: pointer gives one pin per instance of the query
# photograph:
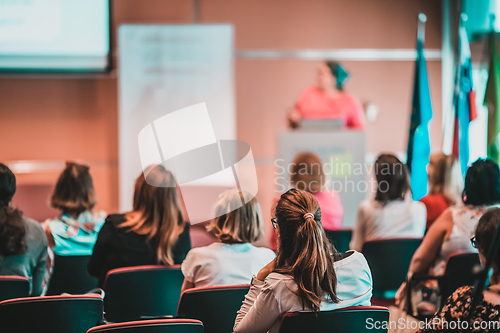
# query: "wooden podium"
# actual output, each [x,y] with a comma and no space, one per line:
[343,156]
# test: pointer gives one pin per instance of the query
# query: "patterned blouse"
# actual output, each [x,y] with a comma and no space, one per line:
[456,310]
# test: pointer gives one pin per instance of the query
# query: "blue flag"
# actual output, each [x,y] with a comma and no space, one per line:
[464,103]
[419,144]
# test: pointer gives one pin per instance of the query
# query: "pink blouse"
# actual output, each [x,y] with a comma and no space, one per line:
[317,104]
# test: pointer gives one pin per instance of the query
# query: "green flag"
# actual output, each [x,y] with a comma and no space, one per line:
[492,99]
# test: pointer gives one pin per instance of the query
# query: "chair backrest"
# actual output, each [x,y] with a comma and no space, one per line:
[152,326]
[71,276]
[340,239]
[459,272]
[54,314]
[216,307]
[357,319]
[139,292]
[389,260]
[12,286]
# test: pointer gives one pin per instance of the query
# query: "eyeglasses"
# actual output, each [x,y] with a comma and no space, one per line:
[274,221]
[473,242]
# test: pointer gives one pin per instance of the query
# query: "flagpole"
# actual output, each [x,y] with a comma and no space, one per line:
[422,18]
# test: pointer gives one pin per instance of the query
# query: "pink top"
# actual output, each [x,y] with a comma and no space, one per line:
[317,104]
[332,211]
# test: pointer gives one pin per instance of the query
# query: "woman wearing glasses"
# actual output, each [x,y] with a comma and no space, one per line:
[233,260]
[307,274]
[457,307]
[451,232]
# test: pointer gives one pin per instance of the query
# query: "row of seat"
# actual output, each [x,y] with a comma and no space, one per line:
[83,313]
[136,293]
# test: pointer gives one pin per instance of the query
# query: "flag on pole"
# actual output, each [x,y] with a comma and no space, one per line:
[492,99]
[464,102]
[419,144]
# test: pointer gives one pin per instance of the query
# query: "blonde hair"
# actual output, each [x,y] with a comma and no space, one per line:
[307,172]
[157,211]
[237,225]
[446,178]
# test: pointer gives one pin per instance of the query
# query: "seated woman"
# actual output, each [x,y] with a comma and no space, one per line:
[457,306]
[452,230]
[307,174]
[446,186]
[74,232]
[234,260]
[23,245]
[307,273]
[154,232]
[391,214]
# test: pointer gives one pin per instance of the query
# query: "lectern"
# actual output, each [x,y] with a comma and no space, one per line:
[343,156]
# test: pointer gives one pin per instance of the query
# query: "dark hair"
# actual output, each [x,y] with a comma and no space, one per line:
[392,178]
[304,251]
[74,191]
[482,183]
[12,227]
[339,72]
[485,230]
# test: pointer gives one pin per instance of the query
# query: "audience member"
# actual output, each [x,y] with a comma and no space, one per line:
[446,185]
[458,306]
[154,232]
[74,232]
[23,245]
[233,260]
[307,273]
[391,214]
[307,174]
[452,230]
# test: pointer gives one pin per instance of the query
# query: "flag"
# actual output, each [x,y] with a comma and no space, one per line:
[418,143]
[464,103]
[492,99]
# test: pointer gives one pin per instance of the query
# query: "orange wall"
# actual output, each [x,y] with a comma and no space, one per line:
[76,118]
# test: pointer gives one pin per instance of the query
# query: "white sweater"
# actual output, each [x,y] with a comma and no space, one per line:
[267,301]
[397,219]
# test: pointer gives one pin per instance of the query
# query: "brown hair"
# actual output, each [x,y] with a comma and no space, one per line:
[12,225]
[74,191]
[304,251]
[485,231]
[237,225]
[307,172]
[392,178]
[446,178]
[157,211]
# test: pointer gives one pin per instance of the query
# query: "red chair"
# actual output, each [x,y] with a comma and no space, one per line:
[142,292]
[216,307]
[152,326]
[54,314]
[12,286]
[357,319]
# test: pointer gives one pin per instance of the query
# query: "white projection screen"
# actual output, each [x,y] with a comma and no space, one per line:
[54,36]
[166,68]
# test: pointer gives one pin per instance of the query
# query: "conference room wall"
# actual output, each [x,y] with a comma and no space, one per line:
[76,118]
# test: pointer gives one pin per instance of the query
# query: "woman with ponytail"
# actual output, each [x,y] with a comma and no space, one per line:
[153,233]
[23,245]
[308,274]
